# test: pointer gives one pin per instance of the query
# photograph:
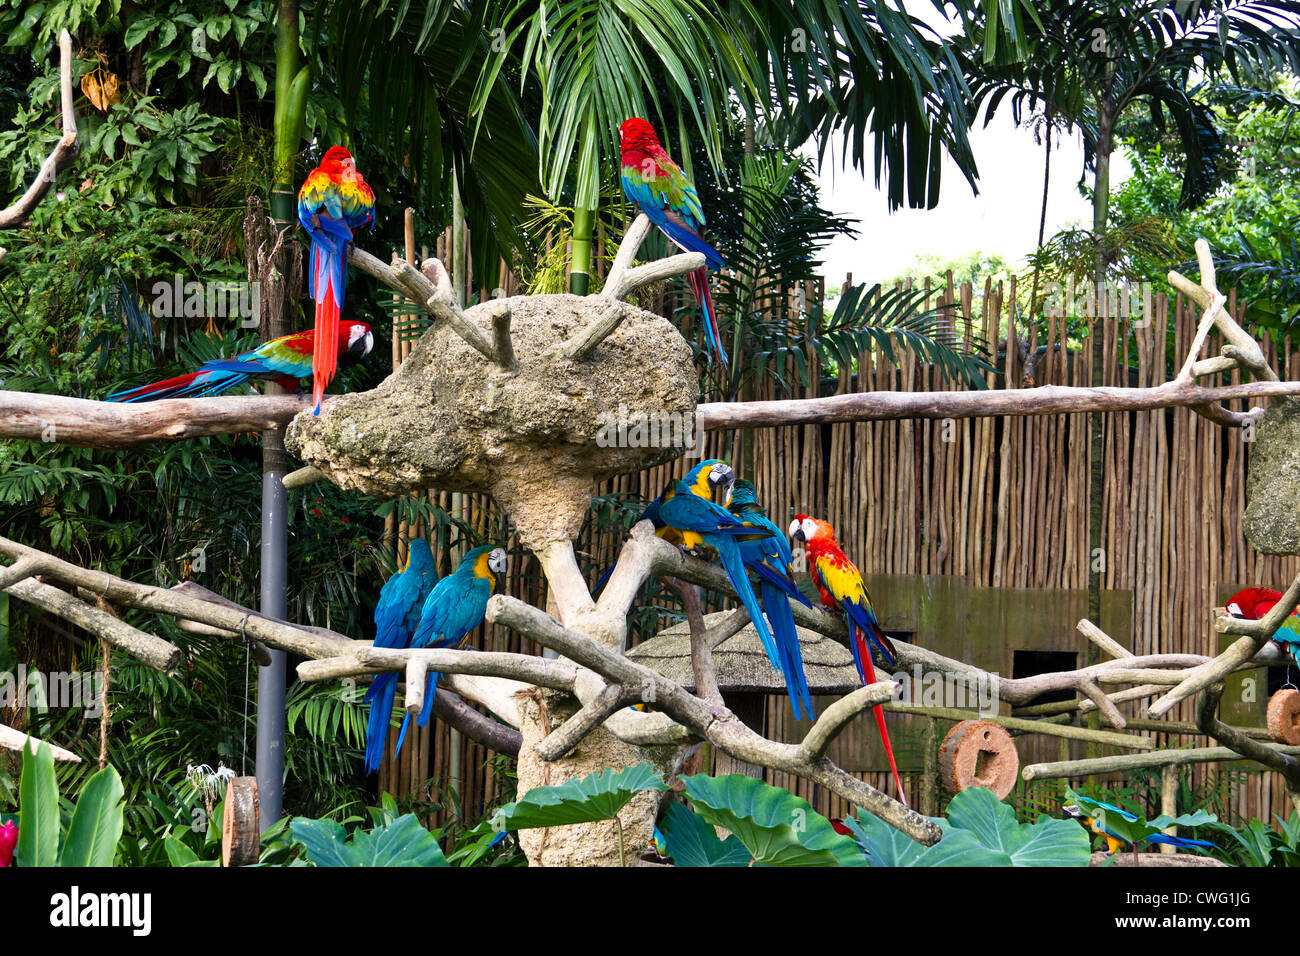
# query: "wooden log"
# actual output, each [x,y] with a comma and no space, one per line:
[978,753]
[241,839]
[1284,716]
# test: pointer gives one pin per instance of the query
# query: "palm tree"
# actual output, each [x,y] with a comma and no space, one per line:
[1089,62]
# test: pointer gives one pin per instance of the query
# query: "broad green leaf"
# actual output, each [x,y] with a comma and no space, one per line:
[886,846]
[1049,842]
[693,842]
[38,809]
[96,823]
[778,828]
[597,796]
[403,843]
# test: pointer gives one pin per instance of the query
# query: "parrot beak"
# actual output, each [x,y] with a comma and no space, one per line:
[721,480]
[796,530]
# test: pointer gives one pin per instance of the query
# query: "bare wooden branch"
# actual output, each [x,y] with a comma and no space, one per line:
[502,345]
[561,741]
[721,728]
[496,736]
[1044,400]
[1109,738]
[1238,654]
[583,343]
[626,255]
[417,673]
[154,651]
[1281,759]
[80,421]
[1123,763]
[11,739]
[65,150]
[1103,640]
[1109,712]
[119,591]
[679,265]
[302,477]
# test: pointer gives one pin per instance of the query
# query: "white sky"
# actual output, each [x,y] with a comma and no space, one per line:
[1002,219]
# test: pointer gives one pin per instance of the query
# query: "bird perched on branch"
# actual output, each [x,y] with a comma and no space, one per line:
[333,204]
[770,558]
[1253,603]
[284,361]
[690,510]
[401,601]
[1123,829]
[657,186]
[455,606]
[840,585]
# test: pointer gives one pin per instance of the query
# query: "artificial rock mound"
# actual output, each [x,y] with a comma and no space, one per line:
[449,419]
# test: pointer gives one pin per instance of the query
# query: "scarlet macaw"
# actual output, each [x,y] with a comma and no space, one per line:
[770,558]
[1254,603]
[1119,827]
[401,601]
[455,606]
[333,204]
[283,361]
[657,186]
[840,585]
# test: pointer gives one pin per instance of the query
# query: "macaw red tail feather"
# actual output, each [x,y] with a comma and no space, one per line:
[325,349]
[864,655]
[700,286]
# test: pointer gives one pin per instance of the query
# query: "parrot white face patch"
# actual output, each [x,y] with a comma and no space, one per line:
[497,561]
[803,530]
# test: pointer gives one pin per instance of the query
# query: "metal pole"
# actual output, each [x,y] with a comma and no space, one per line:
[270,679]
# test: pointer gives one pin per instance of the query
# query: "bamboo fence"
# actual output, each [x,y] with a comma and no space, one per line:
[996,502]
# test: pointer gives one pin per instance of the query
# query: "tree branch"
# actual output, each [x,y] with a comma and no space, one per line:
[65,150]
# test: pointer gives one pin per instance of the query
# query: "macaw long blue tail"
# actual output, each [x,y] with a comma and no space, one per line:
[777,606]
[1175,841]
[430,692]
[734,565]
[774,577]
[380,695]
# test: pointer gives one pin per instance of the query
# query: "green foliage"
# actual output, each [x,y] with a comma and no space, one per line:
[1258,844]
[980,830]
[404,842]
[692,841]
[775,826]
[598,796]
[91,835]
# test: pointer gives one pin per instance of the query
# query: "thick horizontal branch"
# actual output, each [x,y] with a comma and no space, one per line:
[1109,738]
[1122,763]
[247,624]
[80,421]
[1282,760]
[1044,400]
[11,739]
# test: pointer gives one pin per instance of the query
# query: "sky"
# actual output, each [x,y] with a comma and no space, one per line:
[1002,219]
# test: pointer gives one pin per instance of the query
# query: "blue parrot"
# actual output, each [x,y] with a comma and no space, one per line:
[454,607]
[1121,828]
[710,475]
[689,510]
[396,616]
[770,558]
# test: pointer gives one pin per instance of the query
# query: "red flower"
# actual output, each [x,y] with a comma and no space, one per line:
[8,840]
[346,520]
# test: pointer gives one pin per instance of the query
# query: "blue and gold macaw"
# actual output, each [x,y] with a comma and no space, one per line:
[770,558]
[709,479]
[1123,829]
[690,510]
[454,607]
[397,615]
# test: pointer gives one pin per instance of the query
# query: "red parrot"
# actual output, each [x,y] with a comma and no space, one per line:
[284,360]
[333,204]
[1254,603]
[657,186]
[841,589]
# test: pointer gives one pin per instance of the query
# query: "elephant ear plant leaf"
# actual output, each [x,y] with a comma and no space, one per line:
[776,827]
[692,841]
[404,842]
[980,830]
